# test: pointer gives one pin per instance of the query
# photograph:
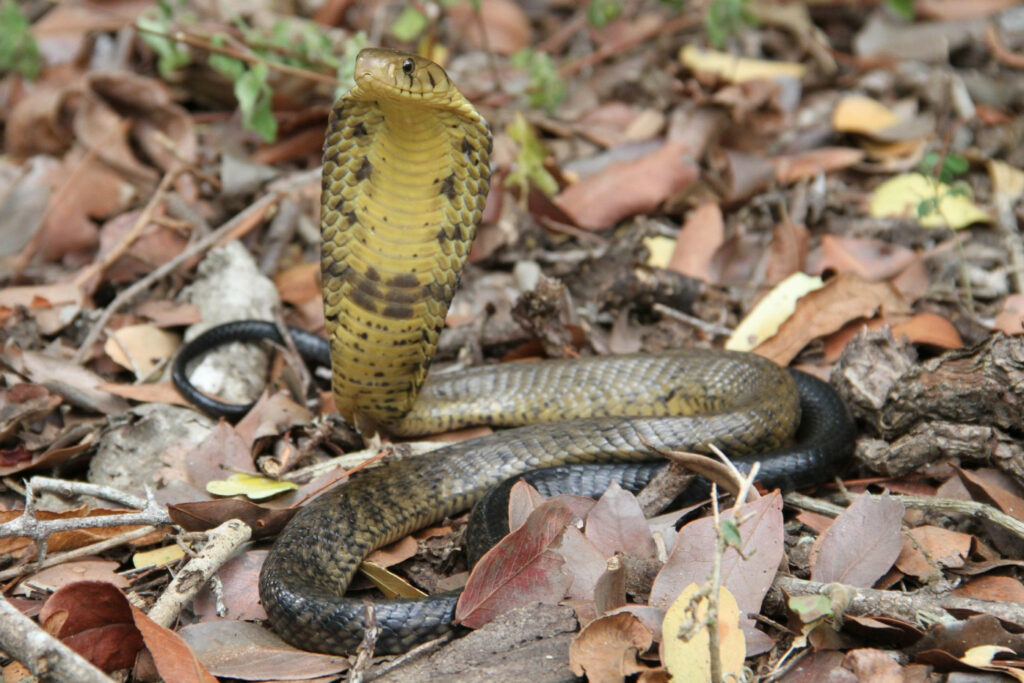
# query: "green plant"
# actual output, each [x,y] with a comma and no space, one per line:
[155,26]
[725,18]
[546,88]
[601,12]
[904,9]
[945,170]
[409,24]
[18,49]
[252,91]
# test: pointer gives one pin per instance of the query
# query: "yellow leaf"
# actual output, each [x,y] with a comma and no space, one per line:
[771,311]
[736,69]
[140,347]
[158,557]
[863,115]
[903,195]
[391,584]
[689,659]
[659,249]
[1007,181]
[252,486]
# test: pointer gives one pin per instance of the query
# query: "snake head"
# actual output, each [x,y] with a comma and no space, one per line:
[402,76]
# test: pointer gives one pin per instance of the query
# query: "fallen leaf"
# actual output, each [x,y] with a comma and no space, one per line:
[252,486]
[520,569]
[736,69]
[787,253]
[616,524]
[54,578]
[867,258]
[390,584]
[861,544]
[659,250]
[794,167]
[607,647]
[299,283]
[1003,589]
[927,549]
[625,189]
[583,561]
[1007,181]
[863,115]
[506,26]
[821,312]
[747,577]
[158,557]
[141,348]
[94,619]
[906,195]
[1010,320]
[239,595]
[764,321]
[245,651]
[174,659]
[698,240]
[686,653]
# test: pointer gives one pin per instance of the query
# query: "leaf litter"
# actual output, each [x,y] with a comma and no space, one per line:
[649,149]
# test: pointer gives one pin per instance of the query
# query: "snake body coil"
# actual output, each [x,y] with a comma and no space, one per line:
[404,183]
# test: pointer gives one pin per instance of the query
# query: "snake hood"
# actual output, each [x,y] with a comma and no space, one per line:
[405,179]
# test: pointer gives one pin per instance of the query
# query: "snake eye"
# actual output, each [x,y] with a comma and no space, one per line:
[407,66]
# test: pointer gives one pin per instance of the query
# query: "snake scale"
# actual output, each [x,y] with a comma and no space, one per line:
[405,176]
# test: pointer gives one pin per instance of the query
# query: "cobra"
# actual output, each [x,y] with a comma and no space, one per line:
[405,177]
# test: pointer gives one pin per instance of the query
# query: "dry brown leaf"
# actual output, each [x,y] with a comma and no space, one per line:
[861,544]
[606,649]
[698,240]
[299,283]
[628,188]
[154,392]
[867,258]
[1010,320]
[927,549]
[957,10]
[506,25]
[787,253]
[842,299]
[923,328]
[141,348]
[1004,589]
[791,168]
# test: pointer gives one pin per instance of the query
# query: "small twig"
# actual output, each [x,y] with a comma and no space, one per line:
[82,280]
[897,605]
[711,619]
[84,551]
[41,653]
[223,542]
[257,208]
[702,325]
[944,505]
[415,653]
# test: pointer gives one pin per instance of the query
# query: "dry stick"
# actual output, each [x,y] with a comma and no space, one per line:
[84,551]
[903,606]
[251,214]
[141,223]
[41,653]
[615,48]
[223,542]
[944,505]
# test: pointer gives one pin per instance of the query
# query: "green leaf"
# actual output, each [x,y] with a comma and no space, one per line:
[409,24]
[731,534]
[347,64]
[530,157]
[904,9]
[601,12]
[254,94]
[546,88]
[18,49]
[725,18]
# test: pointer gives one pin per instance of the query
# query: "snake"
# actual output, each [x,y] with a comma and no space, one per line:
[405,178]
